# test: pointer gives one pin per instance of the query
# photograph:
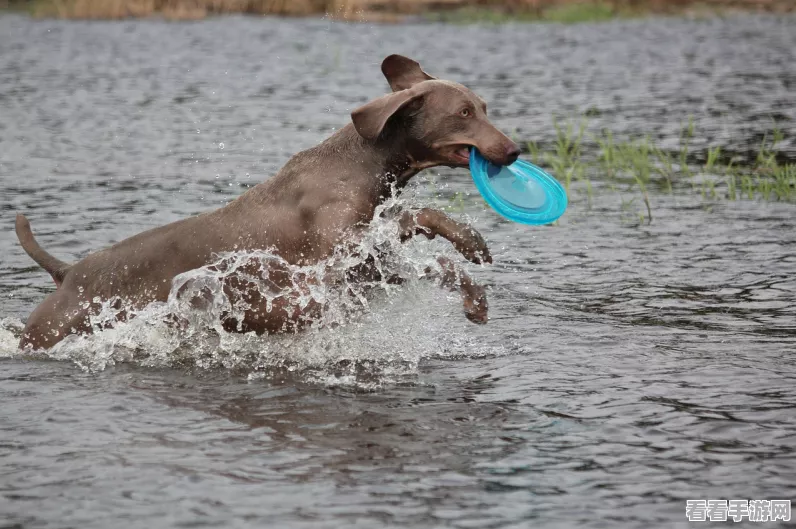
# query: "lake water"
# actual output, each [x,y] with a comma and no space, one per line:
[627,366]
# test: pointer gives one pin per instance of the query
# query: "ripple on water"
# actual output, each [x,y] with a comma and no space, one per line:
[627,367]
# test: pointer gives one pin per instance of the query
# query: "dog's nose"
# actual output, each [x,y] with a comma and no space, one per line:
[512,153]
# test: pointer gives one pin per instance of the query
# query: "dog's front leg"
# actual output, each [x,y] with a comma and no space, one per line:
[455,279]
[431,222]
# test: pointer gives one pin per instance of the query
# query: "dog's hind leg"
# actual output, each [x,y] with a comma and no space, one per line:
[60,314]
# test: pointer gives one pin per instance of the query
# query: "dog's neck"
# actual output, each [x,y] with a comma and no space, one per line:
[395,155]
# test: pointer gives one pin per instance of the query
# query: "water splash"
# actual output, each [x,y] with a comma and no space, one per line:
[362,331]
[10,330]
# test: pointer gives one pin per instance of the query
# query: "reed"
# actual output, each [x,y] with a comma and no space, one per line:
[186,9]
[566,11]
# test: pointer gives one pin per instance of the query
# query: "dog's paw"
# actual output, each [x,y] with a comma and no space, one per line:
[473,246]
[476,308]
[481,256]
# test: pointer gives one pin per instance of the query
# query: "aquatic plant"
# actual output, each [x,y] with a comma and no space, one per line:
[636,165]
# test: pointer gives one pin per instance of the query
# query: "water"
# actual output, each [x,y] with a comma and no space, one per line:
[626,368]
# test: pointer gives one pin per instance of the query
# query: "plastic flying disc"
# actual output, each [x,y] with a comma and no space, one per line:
[521,192]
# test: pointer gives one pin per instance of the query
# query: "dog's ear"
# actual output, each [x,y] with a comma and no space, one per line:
[371,118]
[402,72]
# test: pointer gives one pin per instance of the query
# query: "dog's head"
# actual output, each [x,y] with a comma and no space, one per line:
[441,118]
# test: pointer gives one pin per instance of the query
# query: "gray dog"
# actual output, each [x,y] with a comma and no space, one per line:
[320,198]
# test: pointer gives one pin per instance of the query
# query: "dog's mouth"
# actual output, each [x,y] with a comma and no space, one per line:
[460,155]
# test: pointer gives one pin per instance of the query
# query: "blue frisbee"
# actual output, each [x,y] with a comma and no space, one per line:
[521,192]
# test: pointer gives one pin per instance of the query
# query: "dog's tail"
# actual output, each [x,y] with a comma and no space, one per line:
[55,267]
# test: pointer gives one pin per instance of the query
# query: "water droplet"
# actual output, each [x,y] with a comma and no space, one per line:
[221,146]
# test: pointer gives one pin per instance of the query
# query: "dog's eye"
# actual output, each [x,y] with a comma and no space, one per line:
[465,113]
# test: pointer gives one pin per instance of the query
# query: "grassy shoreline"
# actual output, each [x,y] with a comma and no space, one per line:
[455,11]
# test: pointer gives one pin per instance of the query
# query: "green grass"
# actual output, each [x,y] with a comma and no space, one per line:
[637,167]
[573,13]
[581,12]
